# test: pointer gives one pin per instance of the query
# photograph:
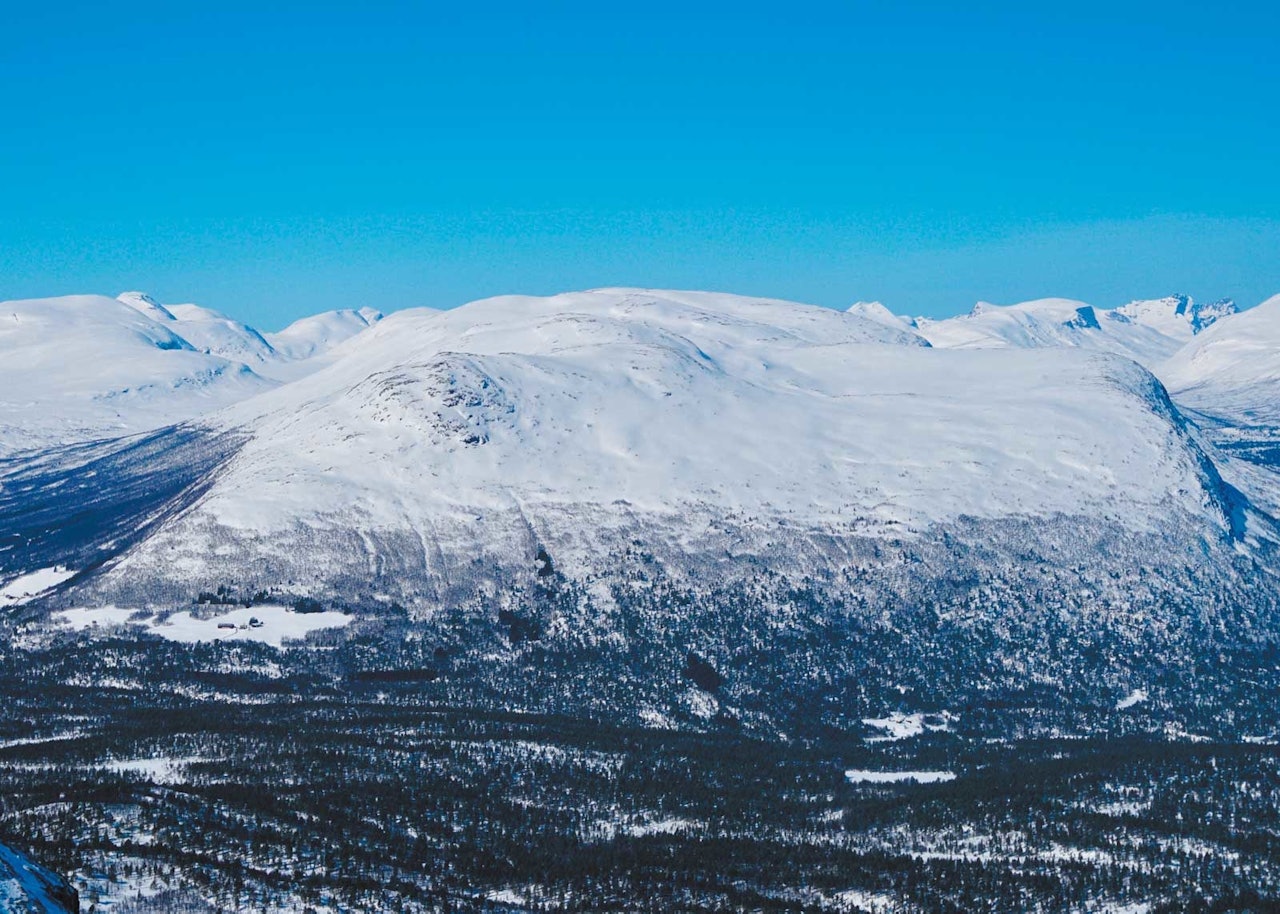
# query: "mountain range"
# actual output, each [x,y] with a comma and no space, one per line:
[88,366]
[541,483]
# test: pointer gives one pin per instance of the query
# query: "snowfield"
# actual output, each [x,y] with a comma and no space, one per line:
[28,586]
[1232,370]
[276,625]
[273,625]
[859,776]
[81,367]
[88,366]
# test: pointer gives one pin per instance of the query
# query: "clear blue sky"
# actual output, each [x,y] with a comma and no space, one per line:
[322,155]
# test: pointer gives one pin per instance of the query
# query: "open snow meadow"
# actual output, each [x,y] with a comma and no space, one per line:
[635,599]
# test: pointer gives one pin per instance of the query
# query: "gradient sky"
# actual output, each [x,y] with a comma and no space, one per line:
[323,155]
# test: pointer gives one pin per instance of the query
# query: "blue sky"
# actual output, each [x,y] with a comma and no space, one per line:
[321,155]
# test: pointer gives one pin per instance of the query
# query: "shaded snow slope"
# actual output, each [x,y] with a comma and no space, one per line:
[1146,331]
[581,416]
[28,888]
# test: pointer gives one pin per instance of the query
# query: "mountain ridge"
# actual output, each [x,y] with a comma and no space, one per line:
[78,368]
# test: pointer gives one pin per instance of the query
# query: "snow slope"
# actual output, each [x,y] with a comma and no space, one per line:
[206,330]
[28,586]
[580,416]
[1146,331]
[87,366]
[209,331]
[316,335]
[280,356]
[878,313]
[27,888]
[1232,369]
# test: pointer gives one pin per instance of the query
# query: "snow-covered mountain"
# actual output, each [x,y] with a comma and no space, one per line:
[819,501]
[1146,331]
[280,356]
[582,418]
[1232,369]
[213,332]
[878,313]
[316,335]
[88,366]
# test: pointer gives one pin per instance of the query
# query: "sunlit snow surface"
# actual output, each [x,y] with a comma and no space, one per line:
[859,776]
[584,413]
[1232,369]
[1145,331]
[30,585]
[1137,696]
[81,367]
[273,625]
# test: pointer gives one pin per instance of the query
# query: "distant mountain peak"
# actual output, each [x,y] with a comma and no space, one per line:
[1086,319]
[145,304]
[877,312]
[1203,315]
[1197,315]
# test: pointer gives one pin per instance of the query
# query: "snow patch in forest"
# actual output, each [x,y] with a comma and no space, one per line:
[1137,696]
[506,896]
[275,625]
[83,618]
[862,776]
[272,625]
[862,900]
[157,770]
[28,586]
[904,726]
